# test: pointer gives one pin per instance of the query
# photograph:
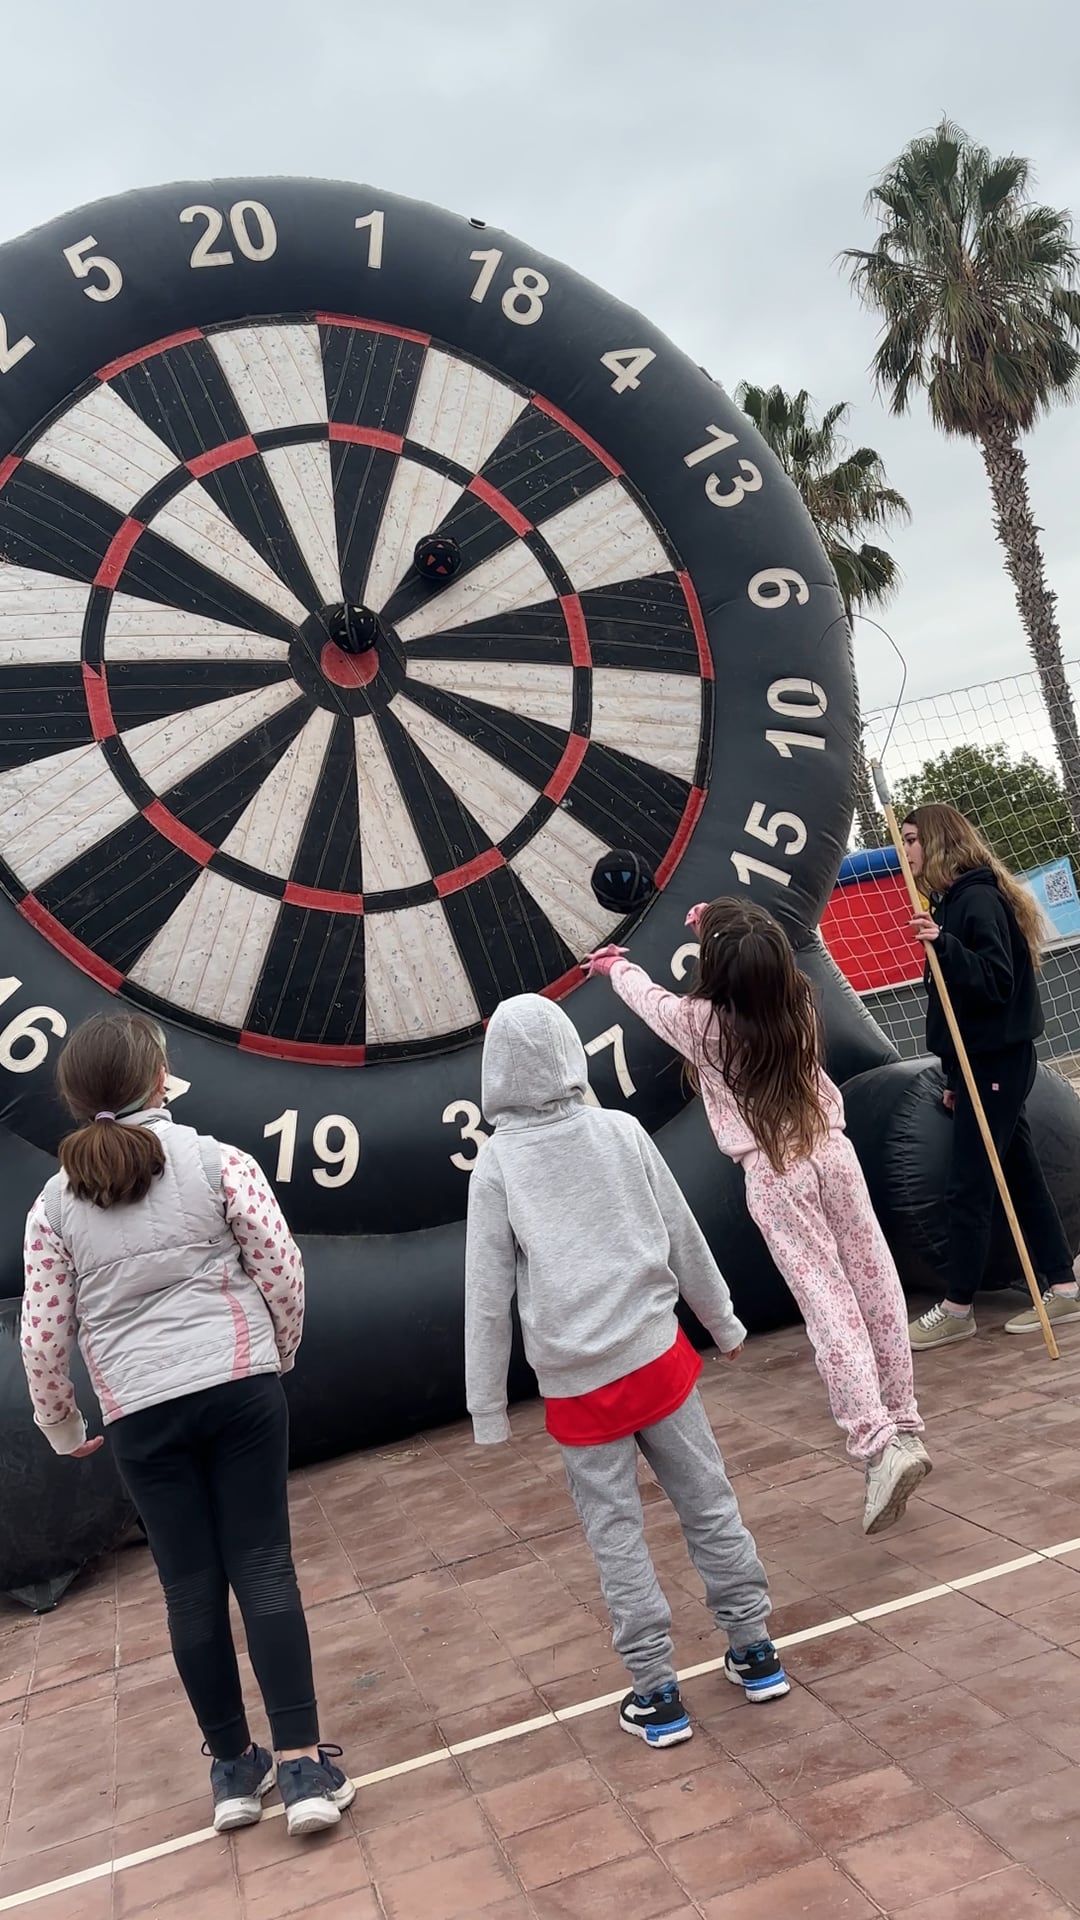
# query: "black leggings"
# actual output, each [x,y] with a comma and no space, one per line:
[208,1475]
[1004,1081]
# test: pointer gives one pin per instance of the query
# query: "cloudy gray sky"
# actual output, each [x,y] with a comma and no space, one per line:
[705,162]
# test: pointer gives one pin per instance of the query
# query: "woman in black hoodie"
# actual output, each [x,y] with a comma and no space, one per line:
[986,932]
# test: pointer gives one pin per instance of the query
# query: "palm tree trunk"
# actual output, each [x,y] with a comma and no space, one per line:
[871,823]
[1018,534]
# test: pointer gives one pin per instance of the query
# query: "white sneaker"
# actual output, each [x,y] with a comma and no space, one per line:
[912,1443]
[890,1483]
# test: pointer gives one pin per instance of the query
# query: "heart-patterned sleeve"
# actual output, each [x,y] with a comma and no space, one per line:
[48,1332]
[268,1253]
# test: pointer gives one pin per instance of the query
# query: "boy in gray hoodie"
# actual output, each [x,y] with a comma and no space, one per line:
[573,1210]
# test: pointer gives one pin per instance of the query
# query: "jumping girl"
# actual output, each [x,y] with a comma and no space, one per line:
[748,1029]
[986,933]
[167,1254]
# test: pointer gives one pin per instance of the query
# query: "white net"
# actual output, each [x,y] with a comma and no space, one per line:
[991,751]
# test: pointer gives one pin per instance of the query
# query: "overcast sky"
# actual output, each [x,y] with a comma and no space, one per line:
[705,162]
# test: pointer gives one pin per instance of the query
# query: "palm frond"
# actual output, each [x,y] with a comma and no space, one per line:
[975,285]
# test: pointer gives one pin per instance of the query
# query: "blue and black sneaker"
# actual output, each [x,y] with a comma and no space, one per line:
[238,1787]
[758,1670]
[315,1792]
[660,1717]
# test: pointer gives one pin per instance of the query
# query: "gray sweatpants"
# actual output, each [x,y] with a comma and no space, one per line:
[686,1460]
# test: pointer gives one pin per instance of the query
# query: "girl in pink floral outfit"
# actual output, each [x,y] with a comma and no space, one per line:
[748,1030]
[165,1254]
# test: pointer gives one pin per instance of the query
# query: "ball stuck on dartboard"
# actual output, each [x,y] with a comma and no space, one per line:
[622,882]
[353,629]
[437,558]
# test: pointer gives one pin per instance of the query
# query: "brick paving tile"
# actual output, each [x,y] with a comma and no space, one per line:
[817,1890]
[929,1857]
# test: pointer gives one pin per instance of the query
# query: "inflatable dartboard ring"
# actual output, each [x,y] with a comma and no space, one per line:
[228,413]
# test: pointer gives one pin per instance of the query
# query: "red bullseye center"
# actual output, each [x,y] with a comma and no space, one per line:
[349,669]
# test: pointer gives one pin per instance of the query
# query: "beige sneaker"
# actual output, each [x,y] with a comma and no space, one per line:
[1060,1308]
[939,1329]
[890,1483]
[912,1443]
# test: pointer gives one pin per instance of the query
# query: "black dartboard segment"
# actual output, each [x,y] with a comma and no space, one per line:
[212,807]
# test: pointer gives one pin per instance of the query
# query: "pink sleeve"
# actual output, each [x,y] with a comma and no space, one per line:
[48,1332]
[669,1015]
[268,1253]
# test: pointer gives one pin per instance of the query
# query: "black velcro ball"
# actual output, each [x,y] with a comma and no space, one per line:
[355,629]
[437,558]
[622,882]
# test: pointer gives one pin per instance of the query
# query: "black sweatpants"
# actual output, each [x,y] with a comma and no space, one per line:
[1004,1081]
[208,1475]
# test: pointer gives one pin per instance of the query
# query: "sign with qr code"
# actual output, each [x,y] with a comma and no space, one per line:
[1054,887]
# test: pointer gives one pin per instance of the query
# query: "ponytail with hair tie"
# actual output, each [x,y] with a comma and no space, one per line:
[119,1058]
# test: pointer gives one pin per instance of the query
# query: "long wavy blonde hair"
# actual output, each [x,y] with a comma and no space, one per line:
[952,846]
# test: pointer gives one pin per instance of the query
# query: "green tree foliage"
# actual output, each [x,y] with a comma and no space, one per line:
[1019,806]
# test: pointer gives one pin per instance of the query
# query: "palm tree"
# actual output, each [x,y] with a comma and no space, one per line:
[845,493]
[975,285]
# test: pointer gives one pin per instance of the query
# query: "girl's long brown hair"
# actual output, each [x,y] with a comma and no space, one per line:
[952,846]
[763,1037]
[112,1063]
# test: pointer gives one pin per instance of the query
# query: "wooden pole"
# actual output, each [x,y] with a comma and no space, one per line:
[965,1067]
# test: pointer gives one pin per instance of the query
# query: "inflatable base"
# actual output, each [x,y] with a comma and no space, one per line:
[901,1132]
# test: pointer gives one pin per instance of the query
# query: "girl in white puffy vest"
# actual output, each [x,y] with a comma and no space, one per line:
[166,1255]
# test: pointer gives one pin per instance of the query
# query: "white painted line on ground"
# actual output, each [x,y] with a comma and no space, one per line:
[9,1902]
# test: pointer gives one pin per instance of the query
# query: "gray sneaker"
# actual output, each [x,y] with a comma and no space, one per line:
[890,1482]
[940,1329]
[1060,1308]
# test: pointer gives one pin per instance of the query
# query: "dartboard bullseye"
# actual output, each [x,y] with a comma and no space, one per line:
[366,582]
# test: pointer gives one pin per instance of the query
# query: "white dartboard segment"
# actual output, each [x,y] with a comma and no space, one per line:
[139,630]
[496,798]
[461,411]
[55,809]
[390,852]
[654,717]
[195,523]
[509,580]
[167,751]
[304,484]
[268,832]
[209,954]
[276,374]
[556,866]
[418,500]
[416,985]
[535,692]
[603,538]
[102,446]
[41,617]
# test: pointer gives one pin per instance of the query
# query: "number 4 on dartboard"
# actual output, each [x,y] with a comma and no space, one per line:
[627,364]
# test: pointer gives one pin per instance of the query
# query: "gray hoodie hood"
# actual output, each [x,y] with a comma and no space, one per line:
[534,1063]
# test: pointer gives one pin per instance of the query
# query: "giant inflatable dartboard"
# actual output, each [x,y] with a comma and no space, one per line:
[321,857]
[225,410]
